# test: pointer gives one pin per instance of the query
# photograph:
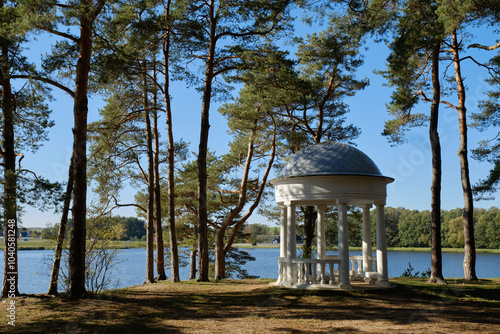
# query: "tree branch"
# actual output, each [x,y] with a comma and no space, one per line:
[46,80]
[61,34]
[118,205]
[484,47]
[426,99]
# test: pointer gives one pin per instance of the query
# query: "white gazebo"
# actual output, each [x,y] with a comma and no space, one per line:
[331,174]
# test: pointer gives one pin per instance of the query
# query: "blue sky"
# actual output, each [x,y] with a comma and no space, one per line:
[409,164]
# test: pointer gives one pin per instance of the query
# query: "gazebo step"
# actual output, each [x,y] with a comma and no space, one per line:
[371,277]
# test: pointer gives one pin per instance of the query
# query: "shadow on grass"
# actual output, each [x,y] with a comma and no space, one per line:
[175,308]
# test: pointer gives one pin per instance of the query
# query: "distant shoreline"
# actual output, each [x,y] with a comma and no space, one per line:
[46,244]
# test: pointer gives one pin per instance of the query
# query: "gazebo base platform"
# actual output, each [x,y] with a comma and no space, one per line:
[355,285]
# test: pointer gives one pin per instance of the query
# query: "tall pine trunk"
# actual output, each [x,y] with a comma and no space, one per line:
[468,221]
[160,256]
[192,259]
[202,154]
[220,256]
[9,197]
[76,273]
[436,257]
[54,277]
[174,253]
[151,188]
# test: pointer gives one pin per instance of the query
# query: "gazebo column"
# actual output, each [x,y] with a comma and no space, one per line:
[321,237]
[283,243]
[367,239]
[382,275]
[291,249]
[344,279]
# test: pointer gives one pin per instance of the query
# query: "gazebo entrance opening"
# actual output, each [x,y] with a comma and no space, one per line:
[331,174]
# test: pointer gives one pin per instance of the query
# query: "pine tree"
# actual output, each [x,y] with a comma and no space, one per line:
[237,25]
[415,52]
[24,124]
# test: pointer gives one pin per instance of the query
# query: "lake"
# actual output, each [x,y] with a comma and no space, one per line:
[34,266]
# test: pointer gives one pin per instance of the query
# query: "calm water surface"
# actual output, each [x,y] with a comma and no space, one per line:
[34,266]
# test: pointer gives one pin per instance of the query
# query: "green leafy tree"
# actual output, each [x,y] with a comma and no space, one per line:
[326,66]
[252,122]
[413,68]
[24,123]
[71,58]
[138,40]
[414,228]
[133,228]
[488,228]
[489,10]
[455,233]
[101,255]
[488,150]
[220,34]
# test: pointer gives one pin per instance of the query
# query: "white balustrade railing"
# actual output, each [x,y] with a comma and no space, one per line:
[281,269]
[315,271]
[356,265]
[323,271]
[311,271]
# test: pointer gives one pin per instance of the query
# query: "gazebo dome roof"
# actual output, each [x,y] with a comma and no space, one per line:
[328,158]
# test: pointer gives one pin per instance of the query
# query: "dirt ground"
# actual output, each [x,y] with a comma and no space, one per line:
[252,306]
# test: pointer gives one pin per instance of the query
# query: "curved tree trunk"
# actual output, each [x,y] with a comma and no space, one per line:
[436,257]
[54,277]
[468,221]
[220,252]
[256,202]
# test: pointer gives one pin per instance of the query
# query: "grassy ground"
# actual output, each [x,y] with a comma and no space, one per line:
[252,306]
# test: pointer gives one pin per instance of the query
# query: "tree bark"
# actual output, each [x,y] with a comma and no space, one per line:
[436,257]
[202,154]
[9,197]
[160,255]
[151,189]
[256,202]
[76,274]
[192,263]
[468,221]
[174,253]
[54,277]
[220,254]
[309,228]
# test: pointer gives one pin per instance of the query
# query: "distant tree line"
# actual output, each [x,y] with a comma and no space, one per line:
[412,228]
[404,228]
[128,228]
